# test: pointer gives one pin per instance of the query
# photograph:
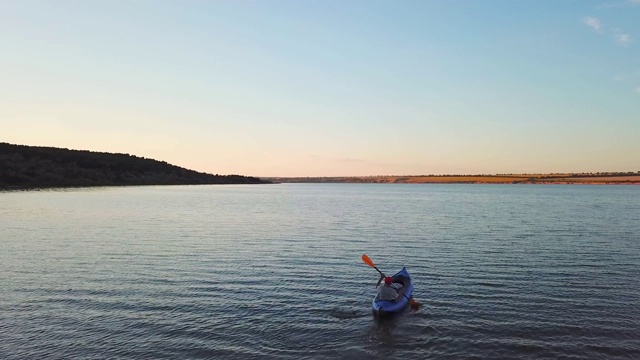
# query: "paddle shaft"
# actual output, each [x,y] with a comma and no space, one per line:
[379,271]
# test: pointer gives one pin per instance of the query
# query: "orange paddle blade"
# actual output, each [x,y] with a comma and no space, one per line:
[367,261]
[414,304]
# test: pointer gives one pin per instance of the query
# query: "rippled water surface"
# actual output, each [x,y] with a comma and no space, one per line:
[274,272]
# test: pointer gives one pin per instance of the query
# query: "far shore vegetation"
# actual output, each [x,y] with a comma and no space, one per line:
[32,167]
[622,178]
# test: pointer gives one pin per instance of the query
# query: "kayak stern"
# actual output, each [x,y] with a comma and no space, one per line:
[383,308]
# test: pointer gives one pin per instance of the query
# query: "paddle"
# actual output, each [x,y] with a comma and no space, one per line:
[414,304]
[368,261]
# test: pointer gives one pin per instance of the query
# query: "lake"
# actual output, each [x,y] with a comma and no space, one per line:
[275,272]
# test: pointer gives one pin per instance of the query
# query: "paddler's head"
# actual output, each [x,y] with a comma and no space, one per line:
[387,280]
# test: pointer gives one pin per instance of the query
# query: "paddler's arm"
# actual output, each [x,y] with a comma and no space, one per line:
[379,280]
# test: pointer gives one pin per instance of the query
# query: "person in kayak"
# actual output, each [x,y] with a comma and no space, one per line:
[388,291]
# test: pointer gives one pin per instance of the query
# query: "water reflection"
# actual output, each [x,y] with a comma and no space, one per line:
[383,328]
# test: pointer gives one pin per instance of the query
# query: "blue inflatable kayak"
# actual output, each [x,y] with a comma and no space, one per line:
[385,307]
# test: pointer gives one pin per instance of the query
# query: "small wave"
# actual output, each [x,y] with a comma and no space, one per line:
[488,284]
[346,314]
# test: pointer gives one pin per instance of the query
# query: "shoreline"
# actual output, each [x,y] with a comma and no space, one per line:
[544,179]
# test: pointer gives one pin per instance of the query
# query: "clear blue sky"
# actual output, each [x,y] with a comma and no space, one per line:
[328,88]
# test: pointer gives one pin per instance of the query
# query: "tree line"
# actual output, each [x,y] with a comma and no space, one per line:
[24,166]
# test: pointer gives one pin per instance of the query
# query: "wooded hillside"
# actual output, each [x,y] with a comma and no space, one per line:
[41,167]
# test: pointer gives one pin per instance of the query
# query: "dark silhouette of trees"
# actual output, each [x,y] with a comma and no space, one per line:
[41,167]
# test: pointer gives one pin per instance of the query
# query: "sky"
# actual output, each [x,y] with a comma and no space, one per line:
[328,88]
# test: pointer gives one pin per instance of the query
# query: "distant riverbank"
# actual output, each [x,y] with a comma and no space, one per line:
[627,178]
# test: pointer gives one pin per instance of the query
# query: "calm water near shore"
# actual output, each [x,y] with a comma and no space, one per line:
[274,272]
